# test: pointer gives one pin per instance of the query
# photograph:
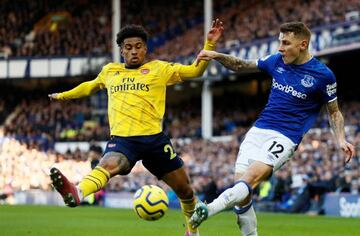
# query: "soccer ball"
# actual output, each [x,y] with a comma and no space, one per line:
[150,202]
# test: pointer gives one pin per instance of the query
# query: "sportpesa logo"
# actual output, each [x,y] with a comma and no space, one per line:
[288,89]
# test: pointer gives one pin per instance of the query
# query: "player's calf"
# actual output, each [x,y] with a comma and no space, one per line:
[246,219]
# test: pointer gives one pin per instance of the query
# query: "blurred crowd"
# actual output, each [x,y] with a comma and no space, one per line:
[29,132]
[49,28]
[83,28]
[40,122]
[317,167]
[32,124]
[243,23]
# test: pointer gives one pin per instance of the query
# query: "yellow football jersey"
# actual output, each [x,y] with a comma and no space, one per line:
[136,97]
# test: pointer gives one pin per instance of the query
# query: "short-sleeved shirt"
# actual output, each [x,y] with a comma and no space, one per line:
[297,94]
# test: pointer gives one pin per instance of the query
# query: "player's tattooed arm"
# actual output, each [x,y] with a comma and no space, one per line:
[337,125]
[230,62]
[336,120]
[235,63]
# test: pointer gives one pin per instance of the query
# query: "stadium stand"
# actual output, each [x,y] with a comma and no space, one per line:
[83,28]
[31,125]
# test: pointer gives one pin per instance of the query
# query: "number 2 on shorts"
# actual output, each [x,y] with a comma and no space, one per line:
[168,148]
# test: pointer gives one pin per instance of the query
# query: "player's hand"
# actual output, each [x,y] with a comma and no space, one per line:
[216,31]
[205,55]
[53,96]
[349,151]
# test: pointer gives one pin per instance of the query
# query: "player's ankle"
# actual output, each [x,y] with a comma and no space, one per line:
[80,193]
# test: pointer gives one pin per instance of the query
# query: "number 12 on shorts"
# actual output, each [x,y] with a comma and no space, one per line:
[276,148]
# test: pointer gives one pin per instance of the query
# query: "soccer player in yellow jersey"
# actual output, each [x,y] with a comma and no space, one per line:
[136,105]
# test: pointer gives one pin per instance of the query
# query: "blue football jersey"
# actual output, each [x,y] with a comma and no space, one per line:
[297,94]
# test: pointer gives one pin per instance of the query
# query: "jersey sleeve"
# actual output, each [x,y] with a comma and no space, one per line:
[328,88]
[170,72]
[178,72]
[267,63]
[100,79]
[86,88]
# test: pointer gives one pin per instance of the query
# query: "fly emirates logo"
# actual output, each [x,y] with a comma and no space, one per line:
[129,84]
[288,89]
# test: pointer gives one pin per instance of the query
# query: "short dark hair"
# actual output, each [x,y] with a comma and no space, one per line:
[129,31]
[96,149]
[298,28]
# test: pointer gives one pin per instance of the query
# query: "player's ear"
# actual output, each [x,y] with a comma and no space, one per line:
[304,44]
[121,51]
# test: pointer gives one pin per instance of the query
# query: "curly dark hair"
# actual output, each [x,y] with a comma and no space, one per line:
[129,31]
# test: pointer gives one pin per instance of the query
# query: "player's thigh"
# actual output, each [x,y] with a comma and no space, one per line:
[248,153]
[277,150]
[160,157]
[266,146]
[254,163]
[115,163]
[119,156]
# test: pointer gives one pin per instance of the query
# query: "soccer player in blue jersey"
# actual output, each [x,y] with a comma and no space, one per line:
[301,85]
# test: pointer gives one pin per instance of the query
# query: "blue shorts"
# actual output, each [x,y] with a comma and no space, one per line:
[155,151]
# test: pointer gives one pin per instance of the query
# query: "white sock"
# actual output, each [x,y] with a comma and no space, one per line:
[229,198]
[247,222]
[80,194]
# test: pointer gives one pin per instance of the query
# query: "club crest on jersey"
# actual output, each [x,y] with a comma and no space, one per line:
[280,70]
[308,81]
[111,145]
[145,71]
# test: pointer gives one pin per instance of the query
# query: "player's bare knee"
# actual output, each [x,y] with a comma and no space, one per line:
[246,201]
[115,163]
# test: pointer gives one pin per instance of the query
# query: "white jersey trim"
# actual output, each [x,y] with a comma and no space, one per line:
[332,100]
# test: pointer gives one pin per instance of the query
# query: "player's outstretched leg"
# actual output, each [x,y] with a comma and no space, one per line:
[246,219]
[188,233]
[67,190]
[187,206]
[229,198]
[200,214]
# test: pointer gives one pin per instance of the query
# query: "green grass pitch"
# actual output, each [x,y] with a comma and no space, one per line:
[95,221]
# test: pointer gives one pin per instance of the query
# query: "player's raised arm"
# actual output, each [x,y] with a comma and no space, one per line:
[82,90]
[197,68]
[230,62]
[337,125]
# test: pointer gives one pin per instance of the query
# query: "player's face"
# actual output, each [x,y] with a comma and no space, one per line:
[291,47]
[133,50]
